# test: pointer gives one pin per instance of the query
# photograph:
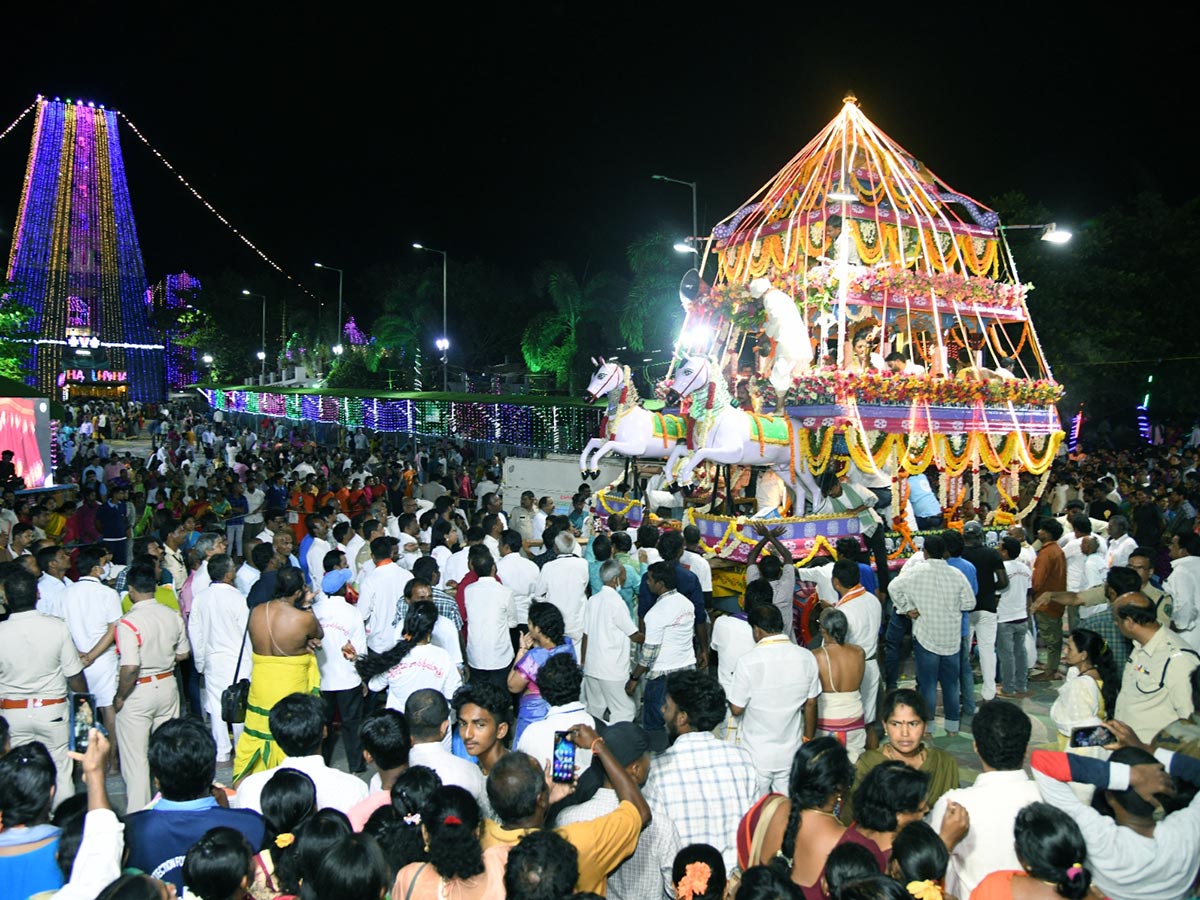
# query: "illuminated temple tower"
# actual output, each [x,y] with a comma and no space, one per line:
[76,261]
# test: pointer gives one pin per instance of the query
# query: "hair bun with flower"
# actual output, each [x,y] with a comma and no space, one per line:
[694,882]
[412,819]
[286,839]
[924,890]
[1075,871]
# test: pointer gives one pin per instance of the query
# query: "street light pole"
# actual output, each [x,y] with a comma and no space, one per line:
[443,342]
[262,352]
[695,220]
[338,337]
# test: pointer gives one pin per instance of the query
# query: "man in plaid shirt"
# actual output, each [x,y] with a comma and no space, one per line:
[935,596]
[705,785]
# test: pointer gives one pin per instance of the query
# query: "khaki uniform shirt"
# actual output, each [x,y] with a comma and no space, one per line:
[150,636]
[174,562]
[1163,602]
[1156,686]
[37,656]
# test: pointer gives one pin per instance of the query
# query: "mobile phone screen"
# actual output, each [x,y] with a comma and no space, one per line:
[1092,736]
[562,768]
[83,717]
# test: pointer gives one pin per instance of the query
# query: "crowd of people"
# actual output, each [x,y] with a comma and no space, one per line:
[419,693]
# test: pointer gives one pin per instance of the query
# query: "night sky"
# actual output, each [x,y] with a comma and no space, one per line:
[532,134]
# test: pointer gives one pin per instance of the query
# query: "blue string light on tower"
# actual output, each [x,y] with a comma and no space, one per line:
[76,261]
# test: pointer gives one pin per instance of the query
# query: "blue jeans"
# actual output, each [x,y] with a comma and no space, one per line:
[898,626]
[933,670]
[654,695]
[966,677]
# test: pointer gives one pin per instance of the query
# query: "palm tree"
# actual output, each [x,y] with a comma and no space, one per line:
[551,340]
[651,314]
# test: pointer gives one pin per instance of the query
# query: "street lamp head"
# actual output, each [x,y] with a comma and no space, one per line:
[207,359]
[246,292]
[318,266]
[442,344]
[685,247]
[338,349]
[418,247]
[261,354]
[659,177]
[1056,235]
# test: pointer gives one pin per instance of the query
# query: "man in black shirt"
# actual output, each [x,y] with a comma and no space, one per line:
[992,578]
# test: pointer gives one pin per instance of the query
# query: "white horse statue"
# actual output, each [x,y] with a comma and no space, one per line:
[727,435]
[627,427]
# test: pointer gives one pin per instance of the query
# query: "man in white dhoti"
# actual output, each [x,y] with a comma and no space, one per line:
[217,629]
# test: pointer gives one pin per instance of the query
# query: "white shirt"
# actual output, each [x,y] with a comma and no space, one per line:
[607,626]
[564,582]
[335,789]
[821,576]
[863,614]
[456,567]
[538,738]
[493,545]
[773,682]
[254,501]
[491,610]
[539,524]
[247,576]
[445,635]
[731,638]
[698,566]
[670,624]
[1011,605]
[381,594]
[315,560]
[217,629]
[342,624]
[1119,550]
[352,547]
[449,767]
[992,802]
[1183,584]
[91,609]
[1077,575]
[51,592]
[426,666]
[520,575]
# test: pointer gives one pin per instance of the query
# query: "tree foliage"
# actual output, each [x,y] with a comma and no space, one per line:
[14,328]
[1114,306]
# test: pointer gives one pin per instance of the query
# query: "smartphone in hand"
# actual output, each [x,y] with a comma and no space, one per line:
[82,717]
[1092,736]
[562,767]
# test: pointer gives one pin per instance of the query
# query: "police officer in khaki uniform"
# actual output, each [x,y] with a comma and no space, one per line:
[151,639]
[38,663]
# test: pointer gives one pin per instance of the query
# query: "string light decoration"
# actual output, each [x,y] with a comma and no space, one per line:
[75,257]
[1076,427]
[1143,418]
[168,299]
[561,429]
[212,209]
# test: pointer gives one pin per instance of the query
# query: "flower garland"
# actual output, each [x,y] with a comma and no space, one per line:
[602,496]
[827,386]
[819,286]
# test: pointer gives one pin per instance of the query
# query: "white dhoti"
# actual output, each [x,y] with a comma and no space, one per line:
[218,675]
[840,715]
[102,678]
[869,689]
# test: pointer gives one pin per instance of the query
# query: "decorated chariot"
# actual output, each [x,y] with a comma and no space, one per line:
[865,317]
